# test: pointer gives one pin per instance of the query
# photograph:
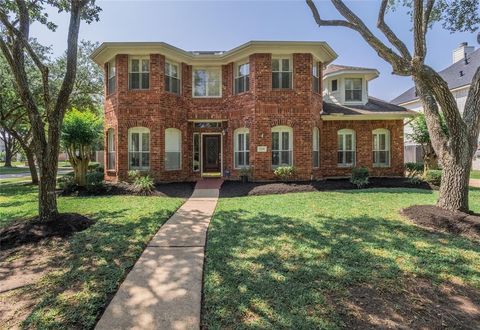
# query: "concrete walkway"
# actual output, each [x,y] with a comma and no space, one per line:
[164,288]
[475,183]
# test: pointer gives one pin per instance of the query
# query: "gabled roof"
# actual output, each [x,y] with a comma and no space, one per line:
[456,75]
[335,69]
[320,50]
[372,109]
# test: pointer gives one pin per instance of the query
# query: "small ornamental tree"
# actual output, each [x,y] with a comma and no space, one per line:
[421,136]
[80,132]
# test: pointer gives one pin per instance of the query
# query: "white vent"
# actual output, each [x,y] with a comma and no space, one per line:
[461,51]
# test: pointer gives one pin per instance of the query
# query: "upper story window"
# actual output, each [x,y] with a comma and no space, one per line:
[207,82]
[315,78]
[334,85]
[111,76]
[242,82]
[353,89]
[172,78]
[139,73]
[281,73]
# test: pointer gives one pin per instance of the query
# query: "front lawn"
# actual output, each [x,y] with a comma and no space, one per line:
[327,260]
[85,270]
[475,174]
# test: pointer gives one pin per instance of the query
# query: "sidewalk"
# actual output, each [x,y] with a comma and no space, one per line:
[164,288]
[475,183]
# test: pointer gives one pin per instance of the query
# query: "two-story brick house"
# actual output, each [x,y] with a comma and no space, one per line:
[184,115]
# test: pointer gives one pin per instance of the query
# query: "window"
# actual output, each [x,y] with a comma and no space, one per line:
[206,82]
[111,76]
[353,89]
[138,148]
[281,73]
[282,146]
[110,149]
[139,74]
[346,148]
[315,148]
[381,148]
[242,83]
[208,124]
[334,85]
[196,152]
[173,149]
[315,78]
[172,78]
[241,147]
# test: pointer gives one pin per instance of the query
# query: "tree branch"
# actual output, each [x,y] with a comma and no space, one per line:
[471,114]
[321,22]
[418,31]
[391,36]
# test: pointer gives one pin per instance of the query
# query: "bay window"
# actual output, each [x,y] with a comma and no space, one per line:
[207,82]
[281,73]
[282,146]
[139,73]
[241,147]
[139,148]
[346,148]
[315,78]
[111,83]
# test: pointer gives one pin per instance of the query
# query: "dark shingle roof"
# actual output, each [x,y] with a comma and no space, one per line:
[373,106]
[451,75]
[332,68]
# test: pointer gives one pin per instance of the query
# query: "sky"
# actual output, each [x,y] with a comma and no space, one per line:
[223,25]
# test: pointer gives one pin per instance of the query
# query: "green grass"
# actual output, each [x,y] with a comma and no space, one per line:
[20,167]
[276,261]
[93,262]
[475,174]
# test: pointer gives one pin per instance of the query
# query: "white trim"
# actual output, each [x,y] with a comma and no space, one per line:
[281,129]
[238,131]
[369,74]
[140,72]
[343,133]
[368,117]
[281,69]
[207,68]
[179,75]
[386,132]
[221,151]
[140,130]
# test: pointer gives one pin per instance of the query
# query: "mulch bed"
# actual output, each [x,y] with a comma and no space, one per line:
[237,189]
[33,230]
[415,303]
[441,220]
[175,189]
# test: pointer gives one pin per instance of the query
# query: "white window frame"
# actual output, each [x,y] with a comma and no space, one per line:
[353,89]
[111,149]
[280,130]
[342,134]
[140,72]
[111,74]
[281,69]
[316,76]
[140,130]
[168,65]
[207,68]
[245,77]
[246,147]
[316,147]
[376,146]
[178,133]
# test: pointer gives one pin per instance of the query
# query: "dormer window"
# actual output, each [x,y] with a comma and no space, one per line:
[242,81]
[139,73]
[353,89]
[281,73]
[334,85]
[172,78]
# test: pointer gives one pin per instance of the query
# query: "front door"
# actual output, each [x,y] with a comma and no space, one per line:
[211,154]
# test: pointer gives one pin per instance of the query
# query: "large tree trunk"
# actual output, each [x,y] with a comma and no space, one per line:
[454,186]
[80,168]
[8,156]
[47,199]
[31,165]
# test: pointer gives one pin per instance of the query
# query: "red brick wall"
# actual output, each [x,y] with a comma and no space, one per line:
[259,109]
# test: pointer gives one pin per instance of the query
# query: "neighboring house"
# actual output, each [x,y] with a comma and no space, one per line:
[183,115]
[458,76]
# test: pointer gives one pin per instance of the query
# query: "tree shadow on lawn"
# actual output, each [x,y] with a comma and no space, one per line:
[93,263]
[272,271]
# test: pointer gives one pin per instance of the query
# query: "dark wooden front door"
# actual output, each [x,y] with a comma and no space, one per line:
[211,153]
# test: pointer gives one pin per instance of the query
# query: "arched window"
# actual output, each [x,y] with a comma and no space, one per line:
[315,148]
[282,146]
[173,149]
[110,149]
[381,147]
[139,148]
[346,148]
[241,147]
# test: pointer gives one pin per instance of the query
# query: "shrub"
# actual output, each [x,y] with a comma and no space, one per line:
[360,177]
[67,183]
[133,175]
[413,169]
[415,180]
[284,172]
[94,182]
[244,171]
[144,185]
[433,177]
[95,168]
